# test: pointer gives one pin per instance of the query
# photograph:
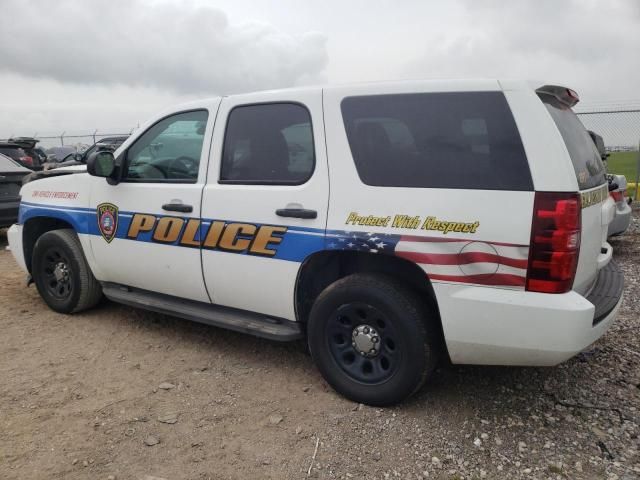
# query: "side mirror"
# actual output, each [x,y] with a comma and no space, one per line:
[78,157]
[101,164]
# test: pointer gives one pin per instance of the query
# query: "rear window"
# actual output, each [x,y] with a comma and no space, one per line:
[12,152]
[465,140]
[584,154]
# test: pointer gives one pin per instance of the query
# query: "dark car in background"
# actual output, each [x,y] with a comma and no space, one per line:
[599,143]
[30,147]
[77,158]
[18,154]
[58,154]
[107,143]
[11,175]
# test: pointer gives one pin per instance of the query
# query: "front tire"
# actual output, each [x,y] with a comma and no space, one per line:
[373,339]
[61,273]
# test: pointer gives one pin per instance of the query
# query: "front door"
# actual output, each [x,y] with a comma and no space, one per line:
[148,224]
[265,199]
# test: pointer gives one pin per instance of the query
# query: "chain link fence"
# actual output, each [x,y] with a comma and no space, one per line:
[619,126]
[80,140]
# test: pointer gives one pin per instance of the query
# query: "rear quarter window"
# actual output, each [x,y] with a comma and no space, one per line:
[463,140]
[587,163]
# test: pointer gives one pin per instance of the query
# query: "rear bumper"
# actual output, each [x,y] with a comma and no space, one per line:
[14,235]
[507,327]
[621,220]
[9,213]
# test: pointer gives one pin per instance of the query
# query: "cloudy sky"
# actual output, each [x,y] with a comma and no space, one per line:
[78,65]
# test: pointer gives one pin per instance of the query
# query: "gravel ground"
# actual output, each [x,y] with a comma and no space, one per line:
[126,394]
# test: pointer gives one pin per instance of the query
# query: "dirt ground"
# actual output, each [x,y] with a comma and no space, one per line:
[80,395]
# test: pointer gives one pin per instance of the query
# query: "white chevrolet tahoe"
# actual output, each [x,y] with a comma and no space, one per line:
[388,224]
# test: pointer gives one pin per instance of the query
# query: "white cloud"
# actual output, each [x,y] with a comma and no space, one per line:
[182,47]
[85,64]
[589,45]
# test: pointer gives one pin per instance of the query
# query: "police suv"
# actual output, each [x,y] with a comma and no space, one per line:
[389,224]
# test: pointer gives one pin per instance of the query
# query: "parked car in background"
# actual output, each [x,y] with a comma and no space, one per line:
[617,191]
[11,175]
[107,143]
[599,142]
[58,154]
[30,146]
[17,153]
[80,158]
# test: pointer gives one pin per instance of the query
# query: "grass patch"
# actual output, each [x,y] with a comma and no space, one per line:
[624,163]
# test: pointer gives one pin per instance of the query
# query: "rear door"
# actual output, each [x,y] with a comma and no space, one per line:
[264,207]
[597,207]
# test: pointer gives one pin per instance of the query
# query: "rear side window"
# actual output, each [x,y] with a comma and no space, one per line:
[463,140]
[584,154]
[270,144]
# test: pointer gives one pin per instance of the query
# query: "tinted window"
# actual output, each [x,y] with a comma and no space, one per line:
[268,144]
[584,154]
[436,140]
[170,150]
[12,152]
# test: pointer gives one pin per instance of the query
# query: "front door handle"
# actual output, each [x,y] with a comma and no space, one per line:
[297,213]
[177,207]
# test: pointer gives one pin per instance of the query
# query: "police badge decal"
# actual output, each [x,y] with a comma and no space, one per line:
[107,220]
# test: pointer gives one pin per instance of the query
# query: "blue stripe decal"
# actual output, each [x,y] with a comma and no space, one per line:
[296,245]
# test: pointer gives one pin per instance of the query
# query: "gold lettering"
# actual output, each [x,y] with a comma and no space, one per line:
[140,223]
[230,240]
[168,229]
[264,237]
[190,231]
[213,235]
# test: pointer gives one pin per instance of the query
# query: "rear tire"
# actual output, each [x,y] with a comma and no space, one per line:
[373,339]
[61,273]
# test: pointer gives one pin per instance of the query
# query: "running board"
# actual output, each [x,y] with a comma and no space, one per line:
[210,314]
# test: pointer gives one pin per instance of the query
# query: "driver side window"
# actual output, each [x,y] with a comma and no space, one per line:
[169,151]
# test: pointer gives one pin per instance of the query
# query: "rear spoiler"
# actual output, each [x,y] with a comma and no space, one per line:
[563,94]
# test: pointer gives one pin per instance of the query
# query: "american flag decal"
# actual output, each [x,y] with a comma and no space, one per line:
[445,259]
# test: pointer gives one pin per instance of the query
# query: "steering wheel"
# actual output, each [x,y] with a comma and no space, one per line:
[185,167]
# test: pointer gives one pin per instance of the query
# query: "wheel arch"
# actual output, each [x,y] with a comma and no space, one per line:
[321,269]
[34,227]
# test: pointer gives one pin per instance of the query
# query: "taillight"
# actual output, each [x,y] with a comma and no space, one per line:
[27,160]
[555,242]
[617,195]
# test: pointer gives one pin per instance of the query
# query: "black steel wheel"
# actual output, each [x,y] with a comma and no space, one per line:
[61,273]
[364,342]
[56,272]
[373,339]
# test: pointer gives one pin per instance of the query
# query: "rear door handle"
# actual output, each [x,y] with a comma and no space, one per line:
[177,207]
[296,213]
